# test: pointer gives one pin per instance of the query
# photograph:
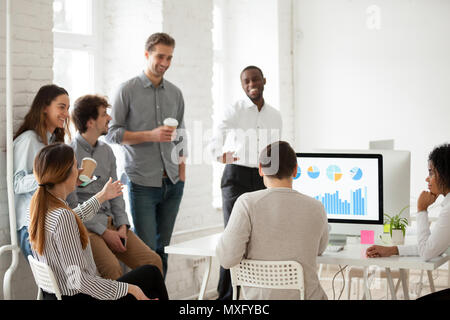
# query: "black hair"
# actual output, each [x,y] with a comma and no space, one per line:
[86,108]
[252,67]
[440,159]
[278,160]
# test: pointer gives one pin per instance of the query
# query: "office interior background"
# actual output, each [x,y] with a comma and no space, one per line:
[341,72]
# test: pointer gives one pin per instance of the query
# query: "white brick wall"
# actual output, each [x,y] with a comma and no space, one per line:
[123,55]
[190,23]
[126,27]
[32,57]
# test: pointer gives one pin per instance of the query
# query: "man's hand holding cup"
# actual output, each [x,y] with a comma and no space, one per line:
[88,166]
[171,124]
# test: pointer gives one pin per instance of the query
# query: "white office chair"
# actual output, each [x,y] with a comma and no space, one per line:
[44,278]
[268,274]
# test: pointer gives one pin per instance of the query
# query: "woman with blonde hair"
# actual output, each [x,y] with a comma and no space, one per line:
[60,239]
[46,122]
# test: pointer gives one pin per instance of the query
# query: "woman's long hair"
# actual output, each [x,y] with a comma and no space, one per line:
[35,118]
[52,165]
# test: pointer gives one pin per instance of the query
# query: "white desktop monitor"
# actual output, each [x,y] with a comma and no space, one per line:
[381,144]
[350,187]
[396,184]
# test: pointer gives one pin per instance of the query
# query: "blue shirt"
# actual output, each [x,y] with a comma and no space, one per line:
[26,147]
[140,106]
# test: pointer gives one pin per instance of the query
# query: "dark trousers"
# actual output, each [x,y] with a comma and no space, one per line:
[236,180]
[147,277]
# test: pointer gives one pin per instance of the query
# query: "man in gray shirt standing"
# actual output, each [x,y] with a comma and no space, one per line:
[154,152]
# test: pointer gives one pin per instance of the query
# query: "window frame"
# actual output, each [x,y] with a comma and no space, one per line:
[90,43]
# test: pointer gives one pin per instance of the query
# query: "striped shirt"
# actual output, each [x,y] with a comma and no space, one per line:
[74,268]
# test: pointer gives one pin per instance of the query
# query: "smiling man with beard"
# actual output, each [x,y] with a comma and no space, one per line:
[109,234]
[247,127]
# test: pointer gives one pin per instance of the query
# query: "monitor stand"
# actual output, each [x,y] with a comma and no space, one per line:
[337,239]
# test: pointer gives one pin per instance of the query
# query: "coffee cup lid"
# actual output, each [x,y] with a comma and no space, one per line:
[84,178]
[171,122]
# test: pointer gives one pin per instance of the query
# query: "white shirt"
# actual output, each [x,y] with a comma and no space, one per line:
[246,131]
[431,244]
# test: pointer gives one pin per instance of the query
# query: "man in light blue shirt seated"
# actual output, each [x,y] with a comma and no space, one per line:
[109,234]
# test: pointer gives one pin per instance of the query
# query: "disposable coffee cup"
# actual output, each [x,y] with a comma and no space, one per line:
[88,165]
[171,122]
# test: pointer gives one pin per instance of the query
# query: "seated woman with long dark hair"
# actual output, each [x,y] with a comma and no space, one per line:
[59,238]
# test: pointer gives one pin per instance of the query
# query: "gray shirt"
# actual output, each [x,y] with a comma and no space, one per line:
[139,106]
[106,168]
[276,224]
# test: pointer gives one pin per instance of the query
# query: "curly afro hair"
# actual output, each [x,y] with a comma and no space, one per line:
[440,159]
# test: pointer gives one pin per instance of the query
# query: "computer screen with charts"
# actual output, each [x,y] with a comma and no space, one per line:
[350,186]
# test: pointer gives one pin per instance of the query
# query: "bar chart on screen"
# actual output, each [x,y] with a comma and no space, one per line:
[356,204]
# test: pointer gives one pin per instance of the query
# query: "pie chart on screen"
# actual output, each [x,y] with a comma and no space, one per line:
[299,173]
[334,173]
[356,173]
[313,172]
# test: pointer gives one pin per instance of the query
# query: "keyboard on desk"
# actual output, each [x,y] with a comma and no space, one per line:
[334,248]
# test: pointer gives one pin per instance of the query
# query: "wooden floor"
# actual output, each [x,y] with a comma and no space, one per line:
[378,286]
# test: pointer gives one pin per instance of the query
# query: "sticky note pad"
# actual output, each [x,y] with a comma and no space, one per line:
[367,236]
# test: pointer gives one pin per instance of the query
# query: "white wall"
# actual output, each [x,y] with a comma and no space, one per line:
[126,27]
[258,32]
[354,84]
[32,56]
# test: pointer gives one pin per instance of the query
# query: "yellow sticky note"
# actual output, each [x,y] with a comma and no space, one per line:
[386,228]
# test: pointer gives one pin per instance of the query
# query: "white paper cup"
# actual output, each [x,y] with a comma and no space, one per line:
[171,122]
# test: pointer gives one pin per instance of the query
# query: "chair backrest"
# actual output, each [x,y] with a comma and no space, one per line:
[44,277]
[268,274]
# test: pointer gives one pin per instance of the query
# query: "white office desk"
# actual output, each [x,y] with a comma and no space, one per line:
[351,255]
[354,255]
[204,246]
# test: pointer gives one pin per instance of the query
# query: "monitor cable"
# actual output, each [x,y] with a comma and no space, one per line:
[341,271]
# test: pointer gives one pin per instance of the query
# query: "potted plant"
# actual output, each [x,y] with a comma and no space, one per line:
[397,227]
